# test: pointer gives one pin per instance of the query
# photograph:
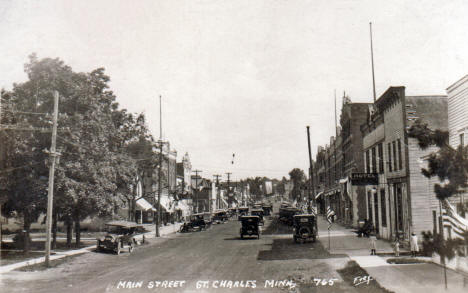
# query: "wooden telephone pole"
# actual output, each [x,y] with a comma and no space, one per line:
[218,199]
[309,208]
[50,195]
[228,181]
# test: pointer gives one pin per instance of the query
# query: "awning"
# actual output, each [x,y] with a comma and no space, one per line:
[343,180]
[318,194]
[166,204]
[183,206]
[144,205]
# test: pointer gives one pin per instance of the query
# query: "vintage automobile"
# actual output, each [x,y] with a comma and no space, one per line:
[242,211]
[259,213]
[305,227]
[197,222]
[267,209]
[120,235]
[286,214]
[220,217]
[232,212]
[249,226]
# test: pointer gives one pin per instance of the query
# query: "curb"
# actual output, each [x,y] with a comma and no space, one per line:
[14,266]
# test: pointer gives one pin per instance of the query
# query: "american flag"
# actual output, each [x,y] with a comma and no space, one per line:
[451,219]
[330,214]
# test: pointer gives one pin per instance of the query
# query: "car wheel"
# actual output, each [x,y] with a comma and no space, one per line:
[118,248]
[295,239]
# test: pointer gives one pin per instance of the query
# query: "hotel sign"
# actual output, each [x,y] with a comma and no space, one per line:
[365,178]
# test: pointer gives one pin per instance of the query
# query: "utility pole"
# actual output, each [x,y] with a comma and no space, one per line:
[160,142]
[196,190]
[228,181]
[50,195]
[310,171]
[218,199]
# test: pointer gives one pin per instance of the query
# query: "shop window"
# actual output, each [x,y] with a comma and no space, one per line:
[369,205]
[383,207]
[376,210]
[374,161]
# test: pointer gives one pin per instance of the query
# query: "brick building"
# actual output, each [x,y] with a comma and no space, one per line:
[353,199]
[403,201]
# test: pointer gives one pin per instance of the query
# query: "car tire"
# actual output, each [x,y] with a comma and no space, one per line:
[117,251]
[295,239]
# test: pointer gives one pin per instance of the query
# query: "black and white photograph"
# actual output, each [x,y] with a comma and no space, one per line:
[254,146]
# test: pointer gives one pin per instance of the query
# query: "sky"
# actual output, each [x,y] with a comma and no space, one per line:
[243,77]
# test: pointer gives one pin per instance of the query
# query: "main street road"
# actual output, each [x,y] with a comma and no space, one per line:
[216,256]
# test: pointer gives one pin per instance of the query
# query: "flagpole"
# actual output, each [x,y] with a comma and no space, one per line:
[442,257]
[372,60]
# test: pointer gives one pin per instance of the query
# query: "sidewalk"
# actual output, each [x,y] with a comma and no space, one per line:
[164,230]
[420,277]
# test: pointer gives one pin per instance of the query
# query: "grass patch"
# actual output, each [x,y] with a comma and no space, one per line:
[404,261]
[53,263]
[353,270]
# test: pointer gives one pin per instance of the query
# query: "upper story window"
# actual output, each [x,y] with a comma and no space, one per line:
[380,158]
[462,139]
[400,163]
[389,157]
[395,166]
[367,162]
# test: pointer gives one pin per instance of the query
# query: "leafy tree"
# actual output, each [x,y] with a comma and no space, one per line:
[450,165]
[297,177]
[97,167]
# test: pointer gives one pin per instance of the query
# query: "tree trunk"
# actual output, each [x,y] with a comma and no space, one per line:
[77,229]
[69,223]
[54,231]
[26,238]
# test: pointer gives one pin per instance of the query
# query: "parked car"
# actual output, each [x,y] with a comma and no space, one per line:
[242,211]
[249,226]
[305,227]
[259,213]
[220,217]
[286,214]
[267,209]
[198,221]
[120,235]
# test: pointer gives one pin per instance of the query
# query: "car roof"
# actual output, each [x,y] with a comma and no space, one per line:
[305,215]
[256,210]
[250,217]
